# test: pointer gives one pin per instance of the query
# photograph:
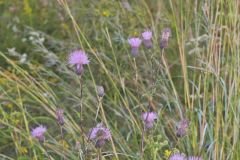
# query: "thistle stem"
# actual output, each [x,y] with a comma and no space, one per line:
[142,144]
[61,130]
[136,75]
[81,108]
[99,154]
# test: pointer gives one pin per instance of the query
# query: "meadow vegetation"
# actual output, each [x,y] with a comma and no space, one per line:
[174,96]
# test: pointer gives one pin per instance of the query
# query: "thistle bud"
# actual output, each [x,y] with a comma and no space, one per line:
[165,37]
[182,128]
[100,91]
[59,115]
[79,69]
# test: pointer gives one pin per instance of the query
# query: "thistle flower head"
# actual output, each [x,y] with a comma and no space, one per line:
[166,33]
[38,132]
[99,132]
[165,36]
[147,38]
[148,118]
[194,158]
[182,127]
[78,57]
[134,42]
[147,35]
[177,156]
[59,115]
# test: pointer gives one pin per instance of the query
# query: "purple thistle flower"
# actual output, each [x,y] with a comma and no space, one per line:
[134,43]
[99,133]
[149,118]
[165,36]
[177,156]
[182,127]
[194,158]
[147,38]
[59,115]
[78,58]
[38,132]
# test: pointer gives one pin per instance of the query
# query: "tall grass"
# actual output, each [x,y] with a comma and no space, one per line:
[196,78]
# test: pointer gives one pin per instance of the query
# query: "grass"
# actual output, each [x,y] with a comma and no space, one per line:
[196,78]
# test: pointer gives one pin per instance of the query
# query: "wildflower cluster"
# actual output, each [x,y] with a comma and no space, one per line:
[135,42]
[100,134]
[146,38]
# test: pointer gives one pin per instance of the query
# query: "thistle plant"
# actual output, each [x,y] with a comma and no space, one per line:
[147,38]
[135,43]
[148,120]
